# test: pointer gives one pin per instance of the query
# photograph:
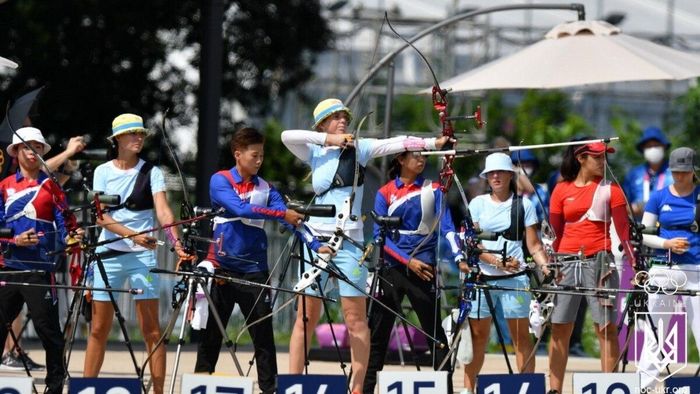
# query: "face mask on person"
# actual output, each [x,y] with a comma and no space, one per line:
[528,170]
[654,155]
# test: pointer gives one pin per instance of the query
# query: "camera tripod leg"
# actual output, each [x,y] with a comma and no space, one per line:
[15,345]
[335,340]
[296,245]
[222,329]
[186,319]
[120,318]
[164,338]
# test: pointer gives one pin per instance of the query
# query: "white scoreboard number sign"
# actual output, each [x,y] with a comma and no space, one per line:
[606,383]
[526,383]
[104,386]
[208,384]
[423,382]
[15,385]
[311,384]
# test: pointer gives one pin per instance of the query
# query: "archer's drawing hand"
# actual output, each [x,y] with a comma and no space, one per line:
[75,145]
[341,140]
[677,245]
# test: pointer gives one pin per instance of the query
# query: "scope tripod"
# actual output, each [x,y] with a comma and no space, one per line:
[93,259]
[375,287]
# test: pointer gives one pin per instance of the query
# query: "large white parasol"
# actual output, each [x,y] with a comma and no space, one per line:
[580,53]
[7,63]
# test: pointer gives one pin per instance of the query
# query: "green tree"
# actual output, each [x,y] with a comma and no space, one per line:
[628,129]
[540,117]
[689,105]
[102,58]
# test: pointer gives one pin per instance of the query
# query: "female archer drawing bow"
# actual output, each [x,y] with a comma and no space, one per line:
[337,160]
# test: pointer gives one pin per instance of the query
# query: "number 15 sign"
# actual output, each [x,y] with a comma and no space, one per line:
[428,382]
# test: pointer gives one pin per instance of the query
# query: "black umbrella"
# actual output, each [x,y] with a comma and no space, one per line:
[19,110]
[14,119]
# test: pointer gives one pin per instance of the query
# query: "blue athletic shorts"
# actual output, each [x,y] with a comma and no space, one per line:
[515,304]
[347,261]
[133,267]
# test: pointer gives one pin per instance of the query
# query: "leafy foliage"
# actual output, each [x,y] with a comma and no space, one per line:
[540,117]
[689,104]
[102,58]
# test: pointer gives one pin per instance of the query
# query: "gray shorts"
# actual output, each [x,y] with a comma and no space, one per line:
[596,272]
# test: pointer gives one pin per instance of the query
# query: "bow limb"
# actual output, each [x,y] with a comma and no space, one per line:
[260,320]
[187,205]
[440,103]
[632,247]
[186,209]
[274,311]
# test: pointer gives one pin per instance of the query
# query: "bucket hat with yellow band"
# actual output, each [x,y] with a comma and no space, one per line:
[328,107]
[128,123]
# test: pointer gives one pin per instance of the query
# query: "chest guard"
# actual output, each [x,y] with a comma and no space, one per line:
[345,173]
[600,206]
[141,197]
[427,206]
[517,220]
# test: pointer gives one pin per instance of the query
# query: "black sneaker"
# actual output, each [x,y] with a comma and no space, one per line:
[11,363]
[33,366]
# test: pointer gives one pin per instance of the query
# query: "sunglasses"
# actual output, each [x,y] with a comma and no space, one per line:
[134,132]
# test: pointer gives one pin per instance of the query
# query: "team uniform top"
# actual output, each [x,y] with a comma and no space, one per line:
[241,240]
[676,215]
[27,204]
[408,201]
[496,217]
[587,222]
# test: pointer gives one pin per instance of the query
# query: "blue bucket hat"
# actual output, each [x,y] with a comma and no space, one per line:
[652,133]
[524,155]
